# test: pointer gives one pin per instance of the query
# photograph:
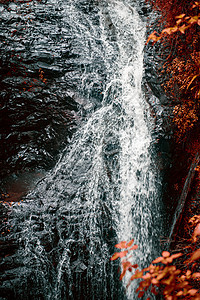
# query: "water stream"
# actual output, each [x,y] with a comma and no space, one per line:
[105,187]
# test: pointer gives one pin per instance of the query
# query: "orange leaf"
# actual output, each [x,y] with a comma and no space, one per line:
[119,254]
[173,256]
[138,274]
[167,30]
[130,243]
[154,281]
[121,245]
[134,247]
[188,273]
[192,292]
[162,275]
[167,281]
[174,29]
[146,276]
[180,16]
[169,260]
[122,275]
[170,30]
[125,265]
[196,255]
[157,260]
[178,21]
[153,37]
[196,275]
[165,254]
[193,20]
[193,78]
[183,28]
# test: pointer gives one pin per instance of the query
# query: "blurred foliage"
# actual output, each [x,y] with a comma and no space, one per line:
[162,276]
[180,70]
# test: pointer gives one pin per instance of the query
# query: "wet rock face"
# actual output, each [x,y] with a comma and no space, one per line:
[40,90]
[38,111]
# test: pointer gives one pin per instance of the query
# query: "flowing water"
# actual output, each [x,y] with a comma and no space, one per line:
[105,187]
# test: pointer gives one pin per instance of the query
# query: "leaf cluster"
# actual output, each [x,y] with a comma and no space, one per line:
[185,117]
[161,275]
[181,71]
[183,22]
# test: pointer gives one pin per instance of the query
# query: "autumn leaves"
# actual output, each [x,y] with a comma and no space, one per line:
[161,276]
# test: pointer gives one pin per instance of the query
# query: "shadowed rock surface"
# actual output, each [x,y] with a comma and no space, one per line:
[39,72]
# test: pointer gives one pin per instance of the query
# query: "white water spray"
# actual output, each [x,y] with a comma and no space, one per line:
[103,189]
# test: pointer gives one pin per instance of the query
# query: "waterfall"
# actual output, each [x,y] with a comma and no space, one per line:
[104,188]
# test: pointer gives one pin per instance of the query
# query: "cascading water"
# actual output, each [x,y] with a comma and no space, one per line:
[103,189]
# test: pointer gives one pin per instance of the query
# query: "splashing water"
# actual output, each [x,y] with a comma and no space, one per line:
[103,189]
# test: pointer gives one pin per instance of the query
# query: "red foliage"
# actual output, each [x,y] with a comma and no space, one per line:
[181,70]
[161,276]
[170,9]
